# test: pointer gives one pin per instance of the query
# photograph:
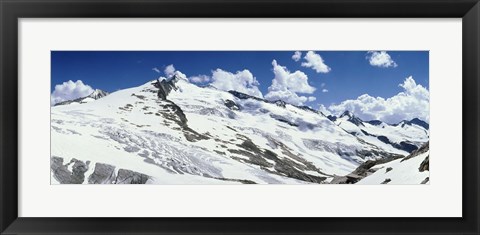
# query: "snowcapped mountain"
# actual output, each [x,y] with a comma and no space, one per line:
[95,95]
[402,138]
[174,132]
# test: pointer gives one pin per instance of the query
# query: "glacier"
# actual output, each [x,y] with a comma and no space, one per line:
[175,132]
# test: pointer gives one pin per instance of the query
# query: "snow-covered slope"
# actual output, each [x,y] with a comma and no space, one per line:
[413,169]
[174,132]
[401,138]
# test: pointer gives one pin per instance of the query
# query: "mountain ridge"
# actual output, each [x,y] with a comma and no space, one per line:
[176,132]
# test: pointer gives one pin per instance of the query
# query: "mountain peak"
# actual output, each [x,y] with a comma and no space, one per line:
[97,94]
[347,113]
[352,118]
[415,121]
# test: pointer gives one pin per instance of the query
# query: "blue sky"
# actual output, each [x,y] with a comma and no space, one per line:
[351,73]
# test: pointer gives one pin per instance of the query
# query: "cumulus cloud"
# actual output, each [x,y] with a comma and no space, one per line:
[156,70]
[324,110]
[69,91]
[297,56]
[199,79]
[380,59]
[242,81]
[169,70]
[412,102]
[324,90]
[315,61]
[286,85]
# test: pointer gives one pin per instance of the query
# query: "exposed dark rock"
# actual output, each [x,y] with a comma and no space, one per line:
[376,152]
[423,149]
[388,169]
[244,96]
[165,87]
[65,176]
[280,103]
[139,96]
[386,181]
[103,174]
[415,121]
[232,105]
[375,122]
[352,118]
[426,180]
[402,146]
[362,171]
[243,181]
[130,177]
[425,165]
[282,166]
[332,118]
[307,108]
[283,119]
[384,139]
[173,112]
[366,133]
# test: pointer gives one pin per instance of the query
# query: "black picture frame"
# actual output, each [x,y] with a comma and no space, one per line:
[12,10]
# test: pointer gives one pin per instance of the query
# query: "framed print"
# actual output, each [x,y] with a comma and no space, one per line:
[239,117]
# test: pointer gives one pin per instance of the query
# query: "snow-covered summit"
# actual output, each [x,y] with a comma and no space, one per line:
[97,94]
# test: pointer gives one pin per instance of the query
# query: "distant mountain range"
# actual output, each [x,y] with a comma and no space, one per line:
[174,132]
[95,95]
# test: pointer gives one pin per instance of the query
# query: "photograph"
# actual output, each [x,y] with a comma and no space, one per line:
[240,117]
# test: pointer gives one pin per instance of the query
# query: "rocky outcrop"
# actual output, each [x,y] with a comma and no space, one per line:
[375,122]
[232,105]
[281,165]
[362,171]
[405,146]
[63,175]
[166,86]
[131,177]
[424,166]
[102,174]
[386,181]
[423,149]
[415,121]
[426,180]
[352,118]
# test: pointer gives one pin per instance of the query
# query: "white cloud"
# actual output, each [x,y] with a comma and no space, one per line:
[297,56]
[412,102]
[286,85]
[241,81]
[315,62]
[169,70]
[324,90]
[199,79]
[69,91]
[324,110]
[156,69]
[380,59]
[311,98]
